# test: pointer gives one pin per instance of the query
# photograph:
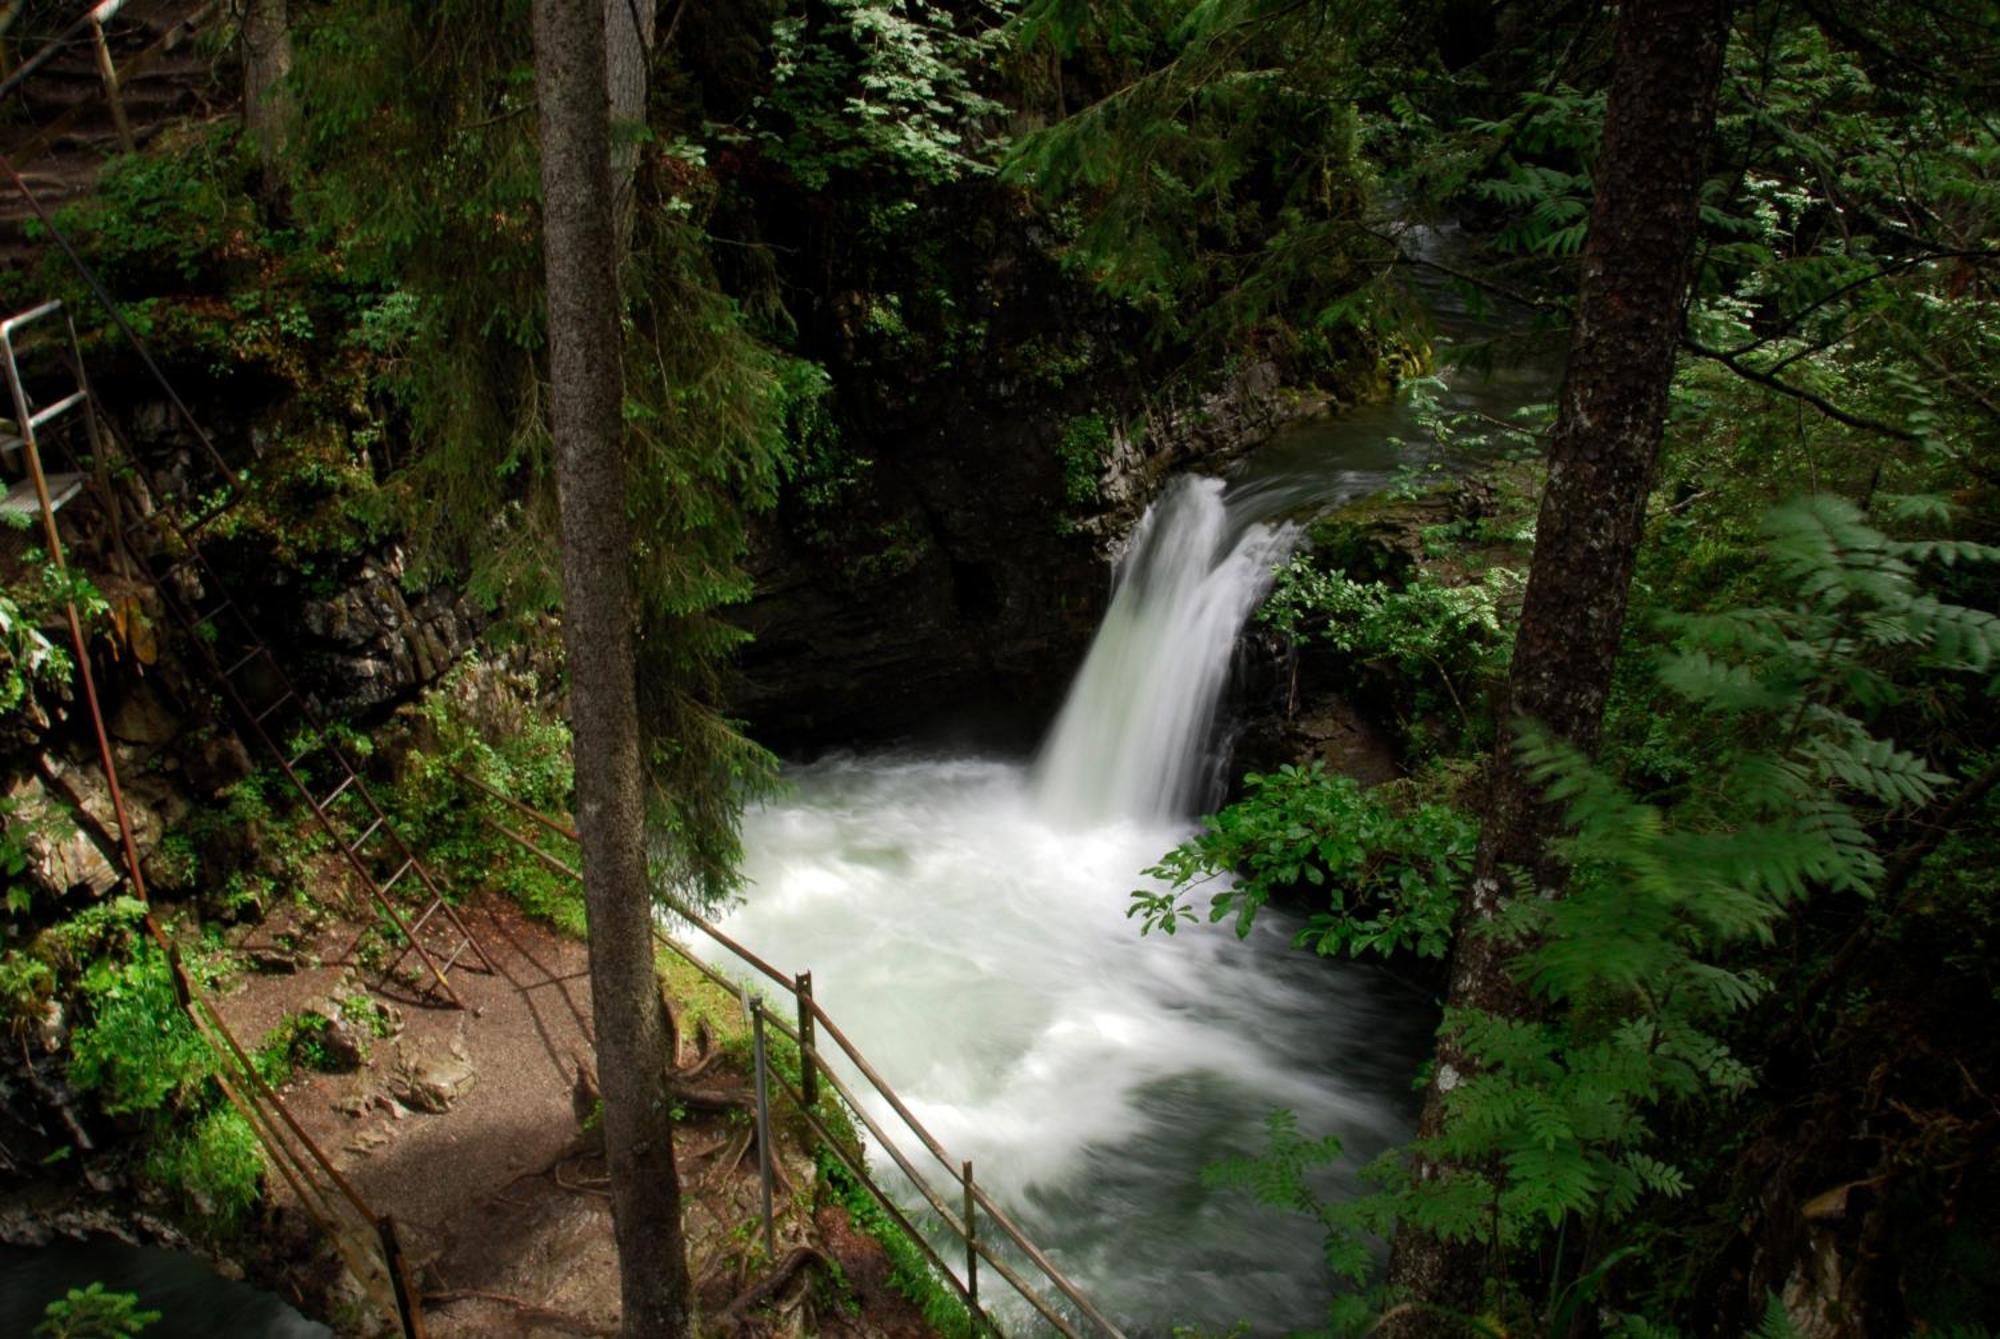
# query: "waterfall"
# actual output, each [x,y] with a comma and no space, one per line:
[965,919]
[1132,740]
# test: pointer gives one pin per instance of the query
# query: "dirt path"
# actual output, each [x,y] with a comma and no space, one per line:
[468,1127]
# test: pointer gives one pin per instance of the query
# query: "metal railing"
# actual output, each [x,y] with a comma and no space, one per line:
[325,1195]
[974,1203]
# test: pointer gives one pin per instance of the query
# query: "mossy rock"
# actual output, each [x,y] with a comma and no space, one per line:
[1381,538]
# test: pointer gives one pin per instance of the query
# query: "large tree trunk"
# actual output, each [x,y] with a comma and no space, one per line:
[629,26]
[267,59]
[634,1033]
[1601,455]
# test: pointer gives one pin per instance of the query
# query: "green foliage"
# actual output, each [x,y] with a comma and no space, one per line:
[214,1164]
[821,472]
[1083,449]
[29,659]
[869,87]
[1280,1178]
[298,1041]
[1390,873]
[138,1052]
[140,1055]
[1643,956]
[27,656]
[1217,180]
[1454,638]
[453,821]
[171,218]
[26,984]
[1540,169]
[910,1271]
[404,178]
[1558,1130]
[93,1313]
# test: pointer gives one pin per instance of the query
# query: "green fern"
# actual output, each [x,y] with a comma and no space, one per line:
[1639,962]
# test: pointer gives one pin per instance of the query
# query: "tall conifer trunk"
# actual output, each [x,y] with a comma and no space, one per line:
[628,51]
[634,1032]
[1601,458]
[267,111]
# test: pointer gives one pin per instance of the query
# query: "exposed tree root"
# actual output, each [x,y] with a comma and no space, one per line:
[732,1317]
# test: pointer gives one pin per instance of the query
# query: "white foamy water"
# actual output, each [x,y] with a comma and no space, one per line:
[1134,733]
[964,920]
[978,953]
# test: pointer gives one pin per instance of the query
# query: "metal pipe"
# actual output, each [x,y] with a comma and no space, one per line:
[763,1128]
[560,829]
[971,1238]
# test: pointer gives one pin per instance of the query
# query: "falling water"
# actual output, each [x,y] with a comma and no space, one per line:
[1134,734]
[965,919]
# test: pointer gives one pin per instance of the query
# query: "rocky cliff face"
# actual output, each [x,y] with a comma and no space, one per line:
[988,583]
[1006,426]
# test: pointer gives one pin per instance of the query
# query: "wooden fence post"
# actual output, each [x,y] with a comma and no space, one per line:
[808,1070]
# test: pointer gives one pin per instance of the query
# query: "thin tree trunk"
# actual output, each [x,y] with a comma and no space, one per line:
[267,60]
[634,1033]
[629,26]
[1601,456]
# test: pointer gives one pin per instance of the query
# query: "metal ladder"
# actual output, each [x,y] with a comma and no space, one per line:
[269,706]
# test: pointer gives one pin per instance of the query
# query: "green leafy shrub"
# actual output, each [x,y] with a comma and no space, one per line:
[297,1042]
[1646,966]
[213,1163]
[1390,872]
[453,821]
[138,1052]
[168,215]
[1441,644]
[141,1056]
[911,1272]
[880,86]
[1083,448]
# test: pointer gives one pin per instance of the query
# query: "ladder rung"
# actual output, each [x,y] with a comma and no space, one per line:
[304,753]
[456,953]
[253,653]
[417,925]
[390,882]
[362,840]
[62,406]
[227,603]
[193,528]
[28,317]
[173,569]
[336,792]
[283,698]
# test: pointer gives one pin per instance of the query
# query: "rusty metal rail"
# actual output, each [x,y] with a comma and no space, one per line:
[319,1186]
[812,1018]
[271,709]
